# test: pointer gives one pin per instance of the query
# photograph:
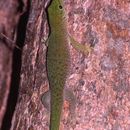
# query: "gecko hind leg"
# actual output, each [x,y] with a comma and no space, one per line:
[68,96]
[46,100]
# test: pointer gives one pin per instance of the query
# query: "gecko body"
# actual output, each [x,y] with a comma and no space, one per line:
[58,64]
[57,61]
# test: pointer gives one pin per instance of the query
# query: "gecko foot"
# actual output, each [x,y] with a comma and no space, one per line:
[69,96]
[46,100]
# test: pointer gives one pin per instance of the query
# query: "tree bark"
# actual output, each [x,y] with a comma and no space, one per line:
[28,112]
[100,81]
[9,17]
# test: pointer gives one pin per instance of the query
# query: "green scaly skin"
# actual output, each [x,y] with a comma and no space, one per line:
[57,60]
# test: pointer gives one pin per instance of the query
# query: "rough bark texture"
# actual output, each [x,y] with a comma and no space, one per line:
[29,110]
[9,16]
[100,81]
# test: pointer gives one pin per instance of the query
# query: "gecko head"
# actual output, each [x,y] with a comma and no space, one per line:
[56,8]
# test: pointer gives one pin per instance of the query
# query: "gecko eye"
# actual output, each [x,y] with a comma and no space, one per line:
[60,7]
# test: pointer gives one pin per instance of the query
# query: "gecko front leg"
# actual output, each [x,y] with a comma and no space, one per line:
[85,49]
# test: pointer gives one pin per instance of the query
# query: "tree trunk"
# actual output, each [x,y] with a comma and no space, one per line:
[10,11]
[100,81]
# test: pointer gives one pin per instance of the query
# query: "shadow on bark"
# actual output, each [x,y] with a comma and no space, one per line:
[16,68]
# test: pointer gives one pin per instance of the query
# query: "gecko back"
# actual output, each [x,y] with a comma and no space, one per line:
[57,61]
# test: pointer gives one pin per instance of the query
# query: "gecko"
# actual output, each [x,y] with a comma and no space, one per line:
[58,61]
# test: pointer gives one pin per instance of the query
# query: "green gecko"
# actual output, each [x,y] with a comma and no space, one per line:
[58,58]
